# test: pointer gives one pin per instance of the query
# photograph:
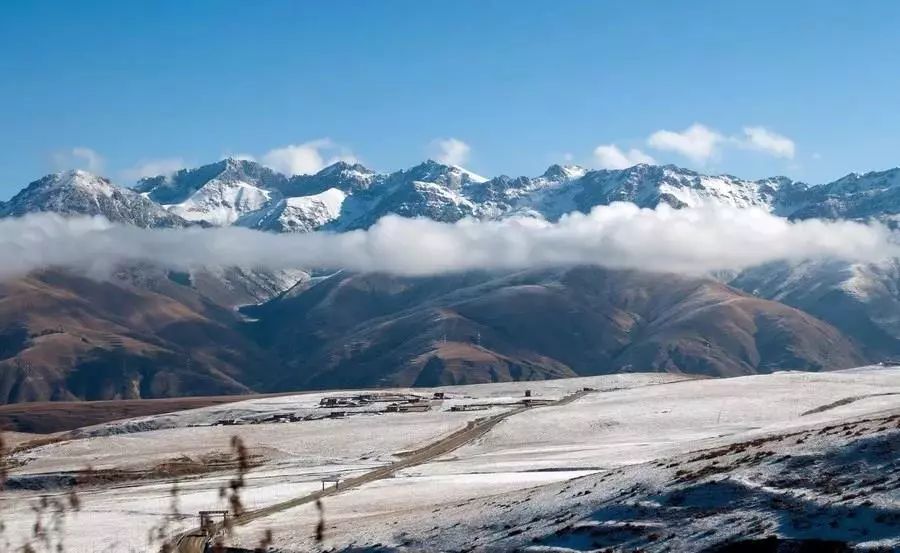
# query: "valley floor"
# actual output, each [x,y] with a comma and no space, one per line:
[638,461]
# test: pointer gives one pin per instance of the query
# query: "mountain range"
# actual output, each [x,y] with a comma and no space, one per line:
[149,332]
[349,196]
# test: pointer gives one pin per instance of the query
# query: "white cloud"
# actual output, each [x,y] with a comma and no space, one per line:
[764,140]
[609,156]
[306,158]
[620,235]
[79,157]
[697,142]
[449,151]
[153,168]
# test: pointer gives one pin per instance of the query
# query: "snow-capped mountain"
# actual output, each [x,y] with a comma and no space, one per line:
[218,194]
[450,176]
[82,193]
[855,196]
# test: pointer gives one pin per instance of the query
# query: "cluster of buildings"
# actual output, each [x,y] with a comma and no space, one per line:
[370,403]
[396,403]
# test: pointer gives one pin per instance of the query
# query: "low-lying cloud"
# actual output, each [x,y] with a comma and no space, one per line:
[620,235]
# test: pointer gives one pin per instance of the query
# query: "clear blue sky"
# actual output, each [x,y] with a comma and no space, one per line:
[522,83]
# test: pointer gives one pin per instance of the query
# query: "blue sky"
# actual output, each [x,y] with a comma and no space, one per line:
[807,89]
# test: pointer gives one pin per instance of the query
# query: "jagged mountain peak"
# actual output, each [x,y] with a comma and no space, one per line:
[564,172]
[427,170]
[344,167]
[248,170]
[448,175]
[781,180]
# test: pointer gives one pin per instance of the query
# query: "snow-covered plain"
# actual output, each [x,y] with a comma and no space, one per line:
[549,477]
[599,433]
[292,458]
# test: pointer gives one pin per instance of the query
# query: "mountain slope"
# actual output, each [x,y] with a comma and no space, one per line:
[64,337]
[361,330]
[860,299]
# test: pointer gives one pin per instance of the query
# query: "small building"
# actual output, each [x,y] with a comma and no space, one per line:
[532,401]
[408,407]
[391,397]
[470,407]
[415,407]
